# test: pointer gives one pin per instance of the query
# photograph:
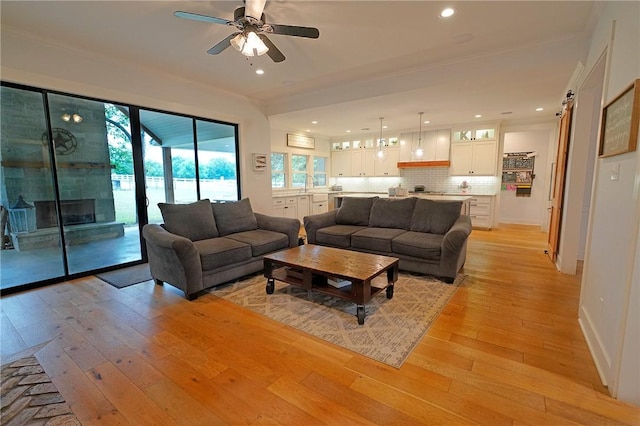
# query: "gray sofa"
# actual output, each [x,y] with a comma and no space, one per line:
[204,244]
[429,237]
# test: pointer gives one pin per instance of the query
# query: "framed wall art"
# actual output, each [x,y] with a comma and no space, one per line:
[300,141]
[259,162]
[620,120]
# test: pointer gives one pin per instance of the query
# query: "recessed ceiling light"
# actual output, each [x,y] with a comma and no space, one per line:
[426,122]
[448,12]
[348,131]
[478,115]
[384,127]
[259,71]
[314,122]
[539,109]
[308,130]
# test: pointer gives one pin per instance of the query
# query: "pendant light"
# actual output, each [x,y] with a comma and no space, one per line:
[419,150]
[380,143]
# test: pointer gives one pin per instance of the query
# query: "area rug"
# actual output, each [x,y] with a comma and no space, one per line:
[125,277]
[392,327]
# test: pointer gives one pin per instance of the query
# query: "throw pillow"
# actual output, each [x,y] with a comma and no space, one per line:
[193,221]
[354,211]
[392,213]
[435,217]
[236,216]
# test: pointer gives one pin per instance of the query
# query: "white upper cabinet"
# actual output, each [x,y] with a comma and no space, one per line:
[435,145]
[388,164]
[341,163]
[475,133]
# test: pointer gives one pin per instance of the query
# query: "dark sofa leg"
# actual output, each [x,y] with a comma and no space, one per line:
[448,280]
[192,296]
[158,282]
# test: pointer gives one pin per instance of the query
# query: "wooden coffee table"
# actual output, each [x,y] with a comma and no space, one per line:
[310,266]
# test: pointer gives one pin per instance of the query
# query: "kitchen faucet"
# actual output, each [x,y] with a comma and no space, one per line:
[305,182]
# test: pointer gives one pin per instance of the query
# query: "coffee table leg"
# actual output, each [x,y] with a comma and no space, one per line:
[271,285]
[360,313]
[390,291]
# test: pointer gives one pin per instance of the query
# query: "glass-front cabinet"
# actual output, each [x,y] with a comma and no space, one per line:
[475,133]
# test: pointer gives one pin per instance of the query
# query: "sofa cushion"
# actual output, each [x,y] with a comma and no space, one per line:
[262,241]
[418,244]
[392,213]
[194,221]
[375,239]
[236,216]
[217,252]
[337,235]
[354,211]
[435,217]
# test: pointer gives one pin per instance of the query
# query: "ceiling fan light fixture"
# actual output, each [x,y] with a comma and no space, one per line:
[249,44]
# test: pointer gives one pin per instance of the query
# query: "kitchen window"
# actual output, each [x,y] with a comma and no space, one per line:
[320,171]
[299,175]
[278,172]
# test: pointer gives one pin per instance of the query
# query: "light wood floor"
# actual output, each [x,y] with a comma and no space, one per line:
[506,350]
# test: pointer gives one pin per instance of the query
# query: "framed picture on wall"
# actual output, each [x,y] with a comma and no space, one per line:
[620,119]
[259,162]
[300,141]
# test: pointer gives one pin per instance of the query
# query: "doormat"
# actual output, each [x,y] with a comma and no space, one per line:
[125,277]
[392,327]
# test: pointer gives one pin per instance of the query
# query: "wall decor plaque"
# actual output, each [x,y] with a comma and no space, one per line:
[620,121]
[300,141]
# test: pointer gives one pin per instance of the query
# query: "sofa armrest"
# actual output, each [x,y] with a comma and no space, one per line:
[318,221]
[173,259]
[285,225]
[455,237]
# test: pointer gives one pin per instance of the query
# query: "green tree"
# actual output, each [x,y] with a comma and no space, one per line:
[218,168]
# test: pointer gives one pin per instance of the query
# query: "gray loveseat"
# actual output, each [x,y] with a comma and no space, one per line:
[429,237]
[204,244]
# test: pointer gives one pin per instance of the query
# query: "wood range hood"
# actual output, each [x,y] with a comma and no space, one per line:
[416,164]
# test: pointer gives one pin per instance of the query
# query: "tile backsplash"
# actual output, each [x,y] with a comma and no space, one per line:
[435,179]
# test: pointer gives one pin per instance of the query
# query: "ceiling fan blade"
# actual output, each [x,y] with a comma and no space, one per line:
[292,30]
[254,8]
[222,45]
[274,53]
[203,18]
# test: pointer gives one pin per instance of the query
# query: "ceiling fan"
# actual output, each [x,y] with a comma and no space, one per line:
[251,39]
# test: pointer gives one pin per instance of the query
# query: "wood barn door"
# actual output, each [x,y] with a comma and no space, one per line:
[558,181]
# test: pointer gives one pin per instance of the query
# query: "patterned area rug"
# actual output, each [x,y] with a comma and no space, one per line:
[392,326]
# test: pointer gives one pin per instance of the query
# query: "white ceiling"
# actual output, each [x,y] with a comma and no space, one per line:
[373,58]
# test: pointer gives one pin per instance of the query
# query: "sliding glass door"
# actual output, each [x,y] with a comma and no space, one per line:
[29,253]
[79,177]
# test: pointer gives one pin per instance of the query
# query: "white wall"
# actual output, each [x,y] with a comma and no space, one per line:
[608,313]
[42,63]
[528,210]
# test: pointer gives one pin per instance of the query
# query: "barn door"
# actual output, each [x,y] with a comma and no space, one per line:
[558,181]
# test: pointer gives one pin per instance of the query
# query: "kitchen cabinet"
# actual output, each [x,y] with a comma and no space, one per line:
[319,203]
[481,211]
[303,207]
[363,162]
[341,163]
[475,133]
[388,164]
[435,145]
[478,158]
[285,207]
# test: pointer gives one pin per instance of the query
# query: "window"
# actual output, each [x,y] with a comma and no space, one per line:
[299,173]
[278,174]
[320,171]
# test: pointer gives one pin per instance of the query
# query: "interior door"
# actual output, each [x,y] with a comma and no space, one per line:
[558,185]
